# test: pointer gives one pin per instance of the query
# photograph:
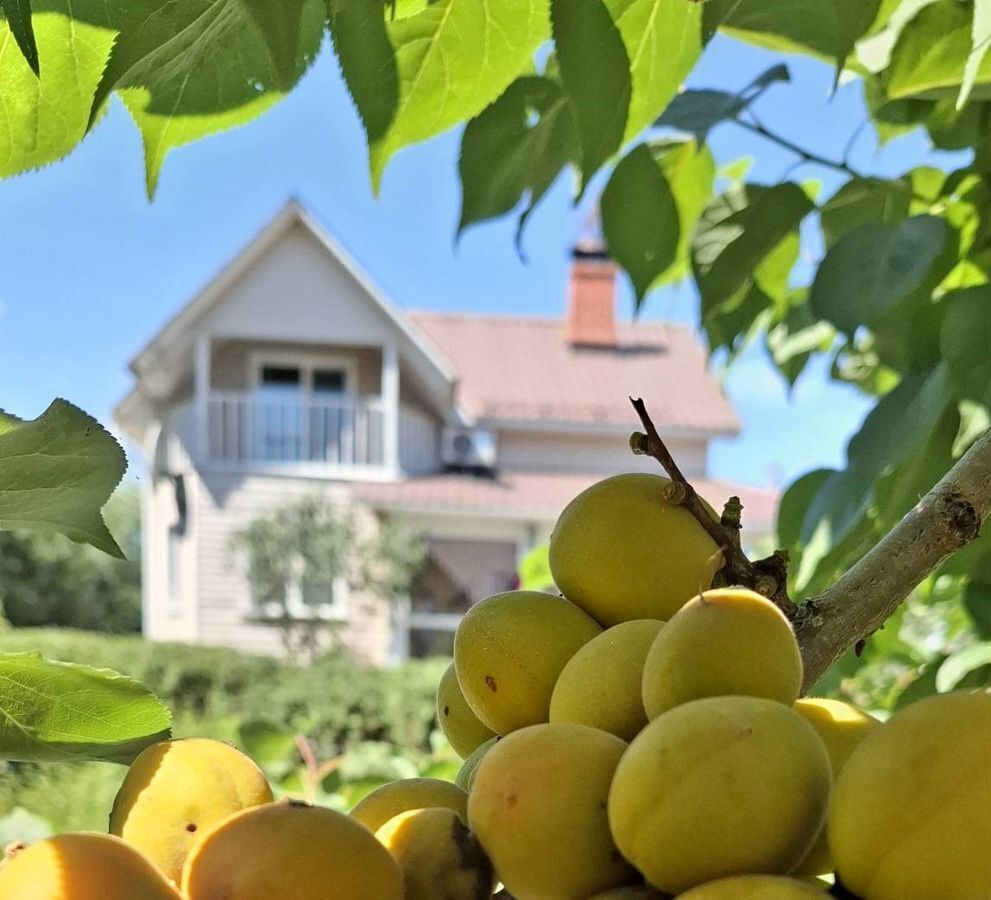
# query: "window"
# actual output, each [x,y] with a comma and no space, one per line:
[301,409]
[300,596]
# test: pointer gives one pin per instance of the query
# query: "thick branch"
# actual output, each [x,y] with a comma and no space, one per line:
[853,608]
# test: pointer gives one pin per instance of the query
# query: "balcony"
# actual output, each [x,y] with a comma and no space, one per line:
[345,434]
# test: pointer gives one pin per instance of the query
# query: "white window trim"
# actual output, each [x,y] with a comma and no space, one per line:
[336,611]
[307,362]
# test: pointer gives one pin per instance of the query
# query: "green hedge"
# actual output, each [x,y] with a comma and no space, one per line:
[335,701]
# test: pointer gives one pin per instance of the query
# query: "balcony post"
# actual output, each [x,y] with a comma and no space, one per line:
[390,407]
[201,396]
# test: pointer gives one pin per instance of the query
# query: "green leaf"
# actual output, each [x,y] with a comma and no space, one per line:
[367,60]
[897,427]
[931,56]
[595,72]
[691,173]
[56,472]
[516,147]
[535,570]
[980,41]
[863,200]
[964,341]
[640,219]
[280,27]
[977,601]
[960,664]
[872,267]
[697,112]
[744,248]
[266,743]
[739,230]
[18,16]
[793,339]
[794,503]
[663,40]
[195,67]
[54,711]
[43,118]
[454,58]
[825,28]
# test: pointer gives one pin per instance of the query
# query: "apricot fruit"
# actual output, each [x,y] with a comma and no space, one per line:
[909,818]
[293,852]
[83,867]
[176,789]
[723,642]
[396,797]
[717,787]
[632,892]
[754,887]
[538,807]
[600,684]
[621,551]
[466,774]
[462,728]
[509,650]
[440,858]
[841,727]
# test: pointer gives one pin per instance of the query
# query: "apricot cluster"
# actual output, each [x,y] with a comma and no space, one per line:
[640,737]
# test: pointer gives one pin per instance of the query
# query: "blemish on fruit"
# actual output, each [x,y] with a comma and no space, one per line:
[191,828]
[490,683]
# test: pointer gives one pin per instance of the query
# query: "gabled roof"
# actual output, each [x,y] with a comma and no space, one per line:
[183,323]
[522,370]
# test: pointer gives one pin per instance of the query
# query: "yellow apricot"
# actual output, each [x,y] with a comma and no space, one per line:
[396,797]
[621,551]
[754,887]
[841,727]
[717,787]
[600,684]
[83,867]
[293,852]
[509,650]
[910,817]
[538,806]
[176,789]
[460,725]
[632,892]
[440,858]
[466,774]
[726,641]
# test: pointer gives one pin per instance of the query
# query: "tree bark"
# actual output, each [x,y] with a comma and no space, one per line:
[853,608]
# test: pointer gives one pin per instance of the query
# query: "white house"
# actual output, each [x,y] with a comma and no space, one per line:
[292,374]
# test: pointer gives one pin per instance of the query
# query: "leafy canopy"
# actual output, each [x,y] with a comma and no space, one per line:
[887,278]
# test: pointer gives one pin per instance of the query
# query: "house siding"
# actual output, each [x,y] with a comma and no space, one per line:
[227,503]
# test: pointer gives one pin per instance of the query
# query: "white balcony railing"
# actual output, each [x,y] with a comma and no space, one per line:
[338,432]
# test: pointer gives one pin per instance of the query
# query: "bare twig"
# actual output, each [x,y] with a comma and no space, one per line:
[766,576]
[857,604]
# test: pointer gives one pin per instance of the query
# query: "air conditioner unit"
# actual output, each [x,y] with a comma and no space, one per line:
[468,448]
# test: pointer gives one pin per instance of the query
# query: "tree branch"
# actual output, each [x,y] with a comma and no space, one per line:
[853,608]
[768,577]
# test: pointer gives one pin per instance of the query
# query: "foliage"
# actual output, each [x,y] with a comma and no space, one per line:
[298,556]
[45,580]
[383,720]
[56,472]
[896,297]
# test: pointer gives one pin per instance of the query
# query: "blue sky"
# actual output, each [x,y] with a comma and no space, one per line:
[91,270]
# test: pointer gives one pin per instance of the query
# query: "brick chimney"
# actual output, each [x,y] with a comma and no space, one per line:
[591,320]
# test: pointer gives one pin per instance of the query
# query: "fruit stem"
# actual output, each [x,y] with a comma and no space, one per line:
[768,577]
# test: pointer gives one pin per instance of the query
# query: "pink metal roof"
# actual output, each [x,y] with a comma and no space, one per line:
[521,368]
[536,495]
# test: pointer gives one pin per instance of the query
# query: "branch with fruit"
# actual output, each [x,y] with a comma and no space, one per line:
[857,604]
